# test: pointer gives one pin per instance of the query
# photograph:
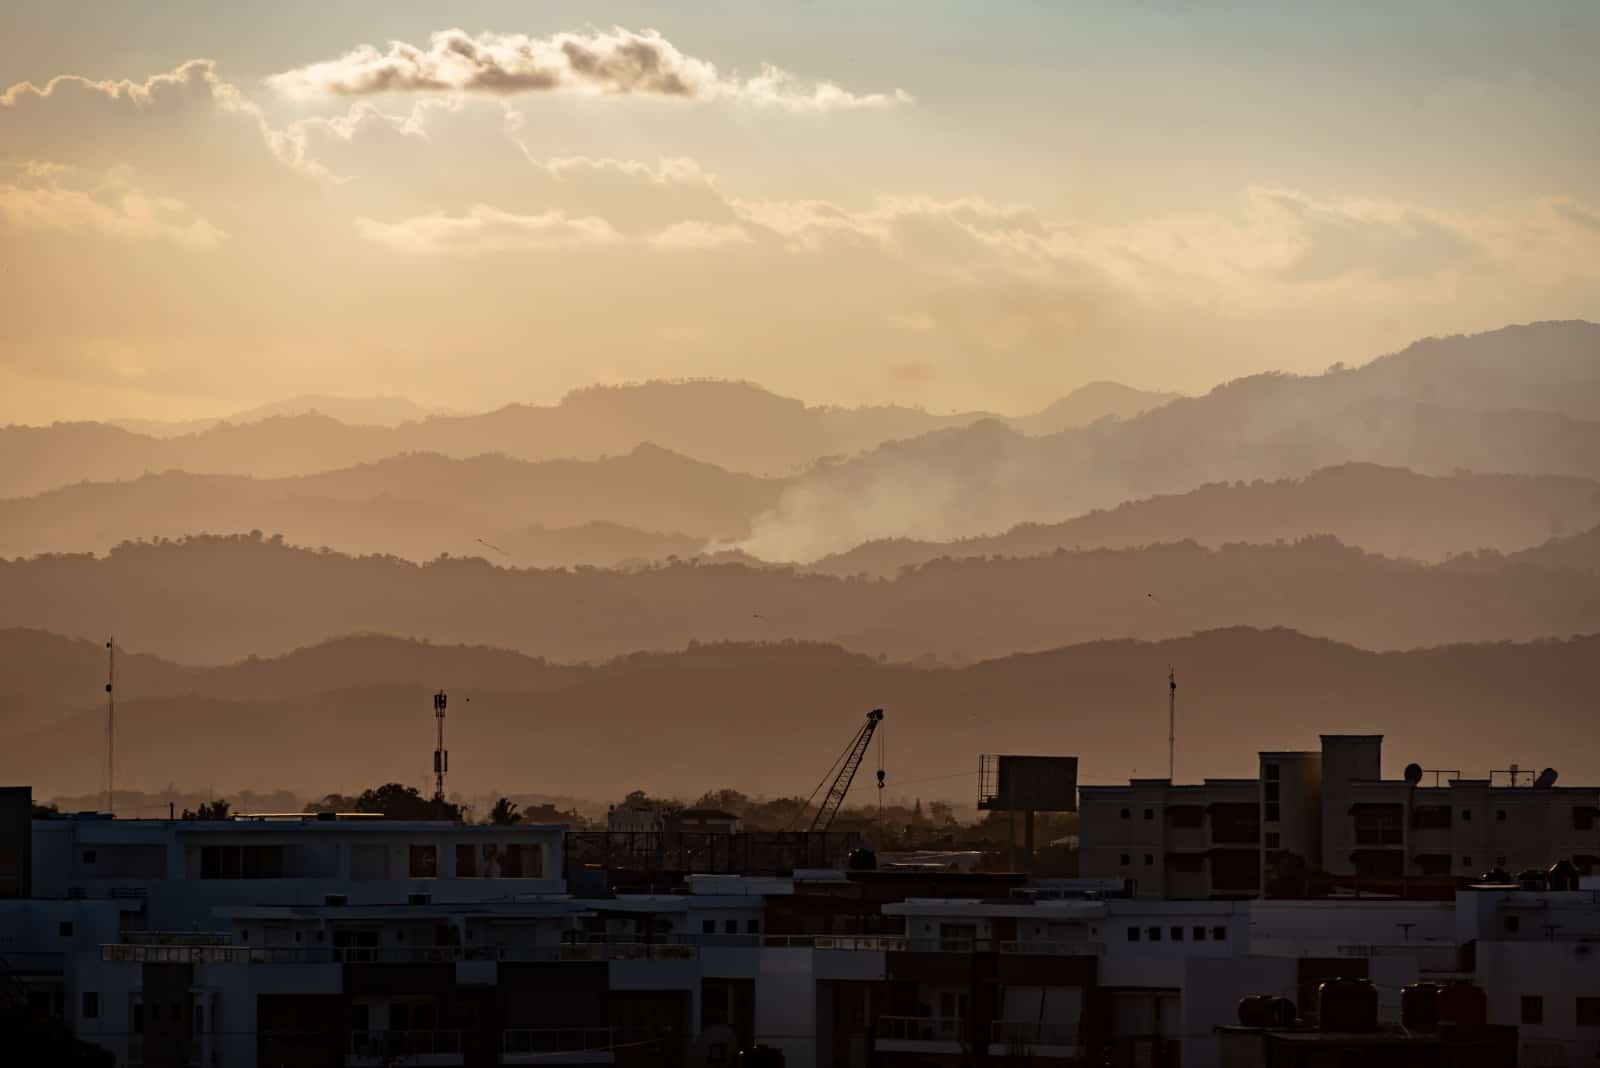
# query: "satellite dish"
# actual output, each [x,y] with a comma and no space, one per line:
[715,1047]
[1413,773]
[1546,779]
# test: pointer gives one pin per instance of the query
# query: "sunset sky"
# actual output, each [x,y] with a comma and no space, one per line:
[208,206]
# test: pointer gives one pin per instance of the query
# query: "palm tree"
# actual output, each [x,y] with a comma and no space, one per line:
[504,812]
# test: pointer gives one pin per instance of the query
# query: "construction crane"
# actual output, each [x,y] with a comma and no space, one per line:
[847,763]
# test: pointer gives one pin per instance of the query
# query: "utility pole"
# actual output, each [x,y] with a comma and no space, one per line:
[1172,724]
[111,725]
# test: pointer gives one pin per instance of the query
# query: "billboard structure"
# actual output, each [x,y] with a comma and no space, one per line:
[1027,784]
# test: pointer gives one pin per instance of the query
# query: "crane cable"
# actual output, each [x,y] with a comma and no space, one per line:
[881,746]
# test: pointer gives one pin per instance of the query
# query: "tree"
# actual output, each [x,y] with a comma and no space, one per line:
[210,810]
[504,813]
[397,802]
[334,803]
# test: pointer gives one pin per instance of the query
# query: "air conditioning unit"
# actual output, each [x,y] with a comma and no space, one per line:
[336,899]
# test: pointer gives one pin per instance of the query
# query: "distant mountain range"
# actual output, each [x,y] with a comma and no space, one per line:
[1522,400]
[651,505]
[215,599]
[734,425]
[768,719]
[418,505]
[357,411]
[1381,509]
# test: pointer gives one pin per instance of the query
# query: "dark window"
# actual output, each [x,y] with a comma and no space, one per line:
[1219,934]
[1512,924]
[1466,862]
[1466,815]
[1378,825]
[1149,859]
[1500,814]
[752,926]
[1583,817]
[1589,1012]
[1154,934]
[1433,863]
[91,1004]
[1274,840]
[424,861]
[1126,860]
[1127,813]
[1532,1009]
[1199,934]
[1176,934]
[1274,814]
[1270,772]
[88,856]
[1149,813]
[64,928]
[1187,862]
[466,862]
[708,926]
[730,927]
[1186,816]
[1133,934]
[1271,790]
[1235,823]
[1431,817]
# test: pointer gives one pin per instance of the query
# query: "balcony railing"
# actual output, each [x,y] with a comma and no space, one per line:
[1022,1034]
[566,951]
[862,943]
[388,1045]
[922,1028]
[546,1040]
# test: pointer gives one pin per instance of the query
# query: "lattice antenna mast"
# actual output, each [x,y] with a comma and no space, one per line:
[847,772]
[111,725]
[441,755]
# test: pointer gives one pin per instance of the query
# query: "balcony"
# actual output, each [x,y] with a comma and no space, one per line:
[438,1048]
[1032,1038]
[921,1034]
[569,1045]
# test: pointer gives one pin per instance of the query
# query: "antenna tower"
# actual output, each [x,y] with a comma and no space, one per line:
[111,725]
[441,755]
[1172,723]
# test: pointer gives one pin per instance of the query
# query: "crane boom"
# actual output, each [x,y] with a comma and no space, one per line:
[847,773]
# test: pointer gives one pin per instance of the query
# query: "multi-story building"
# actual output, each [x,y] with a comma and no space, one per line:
[1329,814]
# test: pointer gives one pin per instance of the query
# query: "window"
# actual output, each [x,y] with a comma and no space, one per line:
[1583,817]
[1219,934]
[1126,860]
[88,856]
[466,862]
[1133,934]
[1466,815]
[1271,772]
[1187,862]
[1274,840]
[91,1004]
[1431,817]
[1589,1012]
[708,926]
[1500,815]
[1499,862]
[730,927]
[1176,934]
[424,861]
[1199,934]
[64,928]
[1466,862]
[1273,813]
[1153,934]
[1512,924]
[1127,814]
[752,927]
[1532,1008]
[1149,859]
[1149,813]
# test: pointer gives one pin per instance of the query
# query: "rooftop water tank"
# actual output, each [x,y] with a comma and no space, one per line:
[1347,1005]
[1419,1007]
[1463,1004]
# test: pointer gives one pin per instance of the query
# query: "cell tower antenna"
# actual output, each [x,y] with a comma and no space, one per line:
[111,724]
[1172,724]
[441,755]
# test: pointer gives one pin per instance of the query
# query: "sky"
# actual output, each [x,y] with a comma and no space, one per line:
[209,206]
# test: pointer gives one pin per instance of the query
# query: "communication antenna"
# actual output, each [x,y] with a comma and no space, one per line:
[441,755]
[1172,723]
[111,724]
